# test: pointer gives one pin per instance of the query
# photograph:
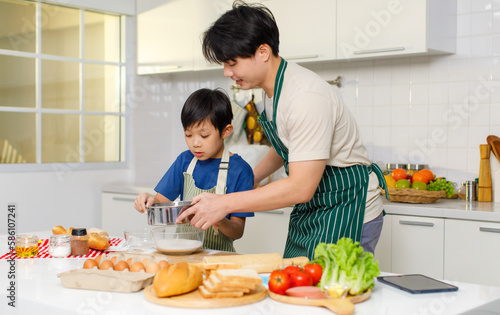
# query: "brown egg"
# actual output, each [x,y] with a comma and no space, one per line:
[163,264]
[113,260]
[121,265]
[137,266]
[145,261]
[89,264]
[152,267]
[105,265]
[98,259]
[129,261]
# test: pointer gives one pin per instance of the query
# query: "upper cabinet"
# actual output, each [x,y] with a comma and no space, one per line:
[307,29]
[170,31]
[381,28]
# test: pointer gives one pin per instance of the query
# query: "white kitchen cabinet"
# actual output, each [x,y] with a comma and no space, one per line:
[383,250]
[307,29]
[374,28]
[417,245]
[266,232]
[119,214]
[471,252]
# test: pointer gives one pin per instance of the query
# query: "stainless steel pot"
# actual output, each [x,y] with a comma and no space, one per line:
[165,213]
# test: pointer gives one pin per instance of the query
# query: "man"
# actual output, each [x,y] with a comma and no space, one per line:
[312,134]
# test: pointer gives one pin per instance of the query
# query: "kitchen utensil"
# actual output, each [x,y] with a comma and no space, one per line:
[260,262]
[165,213]
[195,300]
[180,239]
[393,166]
[138,239]
[484,191]
[338,306]
[494,143]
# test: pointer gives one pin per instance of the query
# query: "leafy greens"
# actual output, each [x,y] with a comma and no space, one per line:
[346,263]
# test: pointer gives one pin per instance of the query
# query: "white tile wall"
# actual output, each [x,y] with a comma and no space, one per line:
[434,110]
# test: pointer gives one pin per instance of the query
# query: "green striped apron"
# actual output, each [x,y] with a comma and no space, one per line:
[213,239]
[337,208]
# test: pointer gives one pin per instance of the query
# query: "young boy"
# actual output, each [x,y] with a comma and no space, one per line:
[207,166]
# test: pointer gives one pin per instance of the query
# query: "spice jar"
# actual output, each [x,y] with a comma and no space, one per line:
[26,245]
[79,242]
[60,245]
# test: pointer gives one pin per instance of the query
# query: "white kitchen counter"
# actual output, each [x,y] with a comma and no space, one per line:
[40,290]
[448,209]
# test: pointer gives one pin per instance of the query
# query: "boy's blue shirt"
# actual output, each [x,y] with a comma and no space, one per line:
[239,178]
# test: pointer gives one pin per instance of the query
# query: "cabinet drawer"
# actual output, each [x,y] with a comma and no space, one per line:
[417,245]
[266,232]
[118,214]
[471,252]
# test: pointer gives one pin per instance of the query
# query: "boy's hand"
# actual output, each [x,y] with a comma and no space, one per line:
[143,201]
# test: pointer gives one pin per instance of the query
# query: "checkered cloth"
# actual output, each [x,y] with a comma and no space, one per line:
[43,250]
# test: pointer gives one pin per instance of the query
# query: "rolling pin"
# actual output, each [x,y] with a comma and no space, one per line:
[494,143]
[484,192]
[261,263]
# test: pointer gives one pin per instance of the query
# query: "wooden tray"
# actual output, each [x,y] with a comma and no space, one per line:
[195,300]
[338,306]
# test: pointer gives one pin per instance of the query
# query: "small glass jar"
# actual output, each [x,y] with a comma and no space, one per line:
[60,245]
[26,245]
[79,242]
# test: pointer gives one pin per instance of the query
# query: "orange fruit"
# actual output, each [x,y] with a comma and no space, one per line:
[420,177]
[398,174]
[428,173]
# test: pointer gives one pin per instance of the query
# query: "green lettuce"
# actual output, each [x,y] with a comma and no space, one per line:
[346,263]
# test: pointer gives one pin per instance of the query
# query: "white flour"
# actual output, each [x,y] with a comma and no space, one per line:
[178,245]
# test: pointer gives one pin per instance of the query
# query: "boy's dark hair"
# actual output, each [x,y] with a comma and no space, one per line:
[203,104]
[239,32]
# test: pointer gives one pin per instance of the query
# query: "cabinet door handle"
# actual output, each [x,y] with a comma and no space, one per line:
[380,50]
[487,229]
[273,212]
[416,223]
[301,57]
[123,199]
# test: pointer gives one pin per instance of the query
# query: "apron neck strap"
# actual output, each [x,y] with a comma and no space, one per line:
[278,83]
[223,169]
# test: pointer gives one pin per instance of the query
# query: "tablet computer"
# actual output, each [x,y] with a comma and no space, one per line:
[416,283]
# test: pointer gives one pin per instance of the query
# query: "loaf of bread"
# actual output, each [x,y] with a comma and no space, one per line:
[98,239]
[178,278]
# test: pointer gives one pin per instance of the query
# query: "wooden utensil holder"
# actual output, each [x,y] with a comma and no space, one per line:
[484,191]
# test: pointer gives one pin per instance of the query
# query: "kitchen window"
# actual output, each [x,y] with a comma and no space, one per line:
[62,82]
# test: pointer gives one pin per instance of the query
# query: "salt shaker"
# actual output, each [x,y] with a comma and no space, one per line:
[79,242]
[60,245]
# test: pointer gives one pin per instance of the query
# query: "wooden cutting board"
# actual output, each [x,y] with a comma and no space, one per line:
[196,257]
[338,306]
[195,300]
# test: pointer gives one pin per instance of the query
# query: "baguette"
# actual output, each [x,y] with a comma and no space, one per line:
[177,279]
[226,294]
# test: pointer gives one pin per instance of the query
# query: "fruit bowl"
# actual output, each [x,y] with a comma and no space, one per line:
[179,239]
[409,195]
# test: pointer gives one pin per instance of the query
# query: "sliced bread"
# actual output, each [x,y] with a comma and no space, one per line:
[226,294]
[226,286]
[238,275]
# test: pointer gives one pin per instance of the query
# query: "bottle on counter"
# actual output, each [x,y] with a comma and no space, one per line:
[79,242]
[60,245]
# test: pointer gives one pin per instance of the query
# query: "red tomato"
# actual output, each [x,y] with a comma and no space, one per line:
[315,271]
[300,279]
[291,269]
[279,282]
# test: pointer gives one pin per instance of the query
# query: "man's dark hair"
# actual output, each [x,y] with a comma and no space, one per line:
[239,32]
[203,104]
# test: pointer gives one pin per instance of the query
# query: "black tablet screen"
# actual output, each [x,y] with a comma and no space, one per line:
[417,283]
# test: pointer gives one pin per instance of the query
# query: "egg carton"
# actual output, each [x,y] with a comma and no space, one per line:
[111,280]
